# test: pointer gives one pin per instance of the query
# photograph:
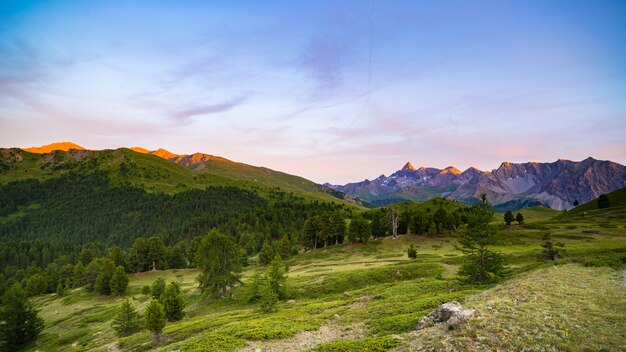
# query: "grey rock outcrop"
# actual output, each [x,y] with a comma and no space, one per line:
[451,313]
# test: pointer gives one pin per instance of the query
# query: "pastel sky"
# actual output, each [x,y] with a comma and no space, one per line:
[335,91]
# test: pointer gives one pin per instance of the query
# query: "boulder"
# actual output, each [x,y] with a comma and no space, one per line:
[451,313]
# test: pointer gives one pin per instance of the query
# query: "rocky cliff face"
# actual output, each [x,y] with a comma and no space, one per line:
[556,185]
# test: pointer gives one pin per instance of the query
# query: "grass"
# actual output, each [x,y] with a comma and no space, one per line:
[562,308]
[370,297]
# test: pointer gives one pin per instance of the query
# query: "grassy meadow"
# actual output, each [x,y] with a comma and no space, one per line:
[355,297]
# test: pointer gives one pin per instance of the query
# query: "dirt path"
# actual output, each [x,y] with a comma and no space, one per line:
[306,339]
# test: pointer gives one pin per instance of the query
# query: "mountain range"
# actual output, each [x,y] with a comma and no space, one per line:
[558,185]
[158,170]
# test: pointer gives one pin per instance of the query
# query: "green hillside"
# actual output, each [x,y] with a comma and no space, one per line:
[156,174]
[590,211]
[355,297]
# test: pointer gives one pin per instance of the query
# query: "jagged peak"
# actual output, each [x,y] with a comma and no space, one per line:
[408,166]
[450,170]
[63,146]
[505,164]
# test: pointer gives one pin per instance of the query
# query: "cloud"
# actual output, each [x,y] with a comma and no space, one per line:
[184,116]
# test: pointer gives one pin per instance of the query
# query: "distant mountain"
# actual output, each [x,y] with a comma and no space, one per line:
[64,146]
[555,185]
[158,170]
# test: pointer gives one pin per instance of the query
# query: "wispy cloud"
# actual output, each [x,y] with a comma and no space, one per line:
[184,116]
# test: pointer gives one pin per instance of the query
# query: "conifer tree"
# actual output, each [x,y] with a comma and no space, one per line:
[157,288]
[480,263]
[268,301]
[19,322]
[119,281]
[508,217]
[276,277]
[173,302]
[127,321]
[551,249]
[103,280]
[267,253]
[155,319]
[219,263]
[284,247]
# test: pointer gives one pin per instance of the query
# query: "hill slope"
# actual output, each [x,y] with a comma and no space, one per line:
[155,171]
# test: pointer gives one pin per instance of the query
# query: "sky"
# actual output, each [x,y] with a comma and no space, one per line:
[334,91]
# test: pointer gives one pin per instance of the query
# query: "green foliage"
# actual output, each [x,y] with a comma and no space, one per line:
[218,262]
[368,344]
[211,342]
[116,255]
[157,288]
[268,299]
[155,318]
[19,321]
[283,247]
[36,284]
[119,281]
[412,252]
[127,321]
[551,249]
[603,201]
[480,263]
[267,253]
[276,277]
[103,280]
[173,302]
[145,290]
[508,217]
[359,230]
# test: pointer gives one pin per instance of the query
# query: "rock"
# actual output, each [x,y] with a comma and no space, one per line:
[451,313]
[291,301]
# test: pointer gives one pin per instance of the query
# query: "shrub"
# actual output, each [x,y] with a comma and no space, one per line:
[412,252]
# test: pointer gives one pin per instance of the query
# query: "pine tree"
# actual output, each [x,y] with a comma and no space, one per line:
[359,230]
[267,253]
[480,263]
[127,321]
[411,252]
[508,217]
[276,277]
[155,319]
[19,322]
[173,302]
[103,280]
[117,256]
[551,249]
[284,247]
[519,218]
[157,288]
[268,301]
[219,263]
[79,273]
[119,281]
[603,201]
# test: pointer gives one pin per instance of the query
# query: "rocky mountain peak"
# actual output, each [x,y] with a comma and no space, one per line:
[450,170]
[408,166]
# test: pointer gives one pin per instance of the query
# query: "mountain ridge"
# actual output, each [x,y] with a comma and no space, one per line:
[555,184]
[158,170]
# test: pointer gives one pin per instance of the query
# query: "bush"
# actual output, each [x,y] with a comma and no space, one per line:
[412,252]
[369,344]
